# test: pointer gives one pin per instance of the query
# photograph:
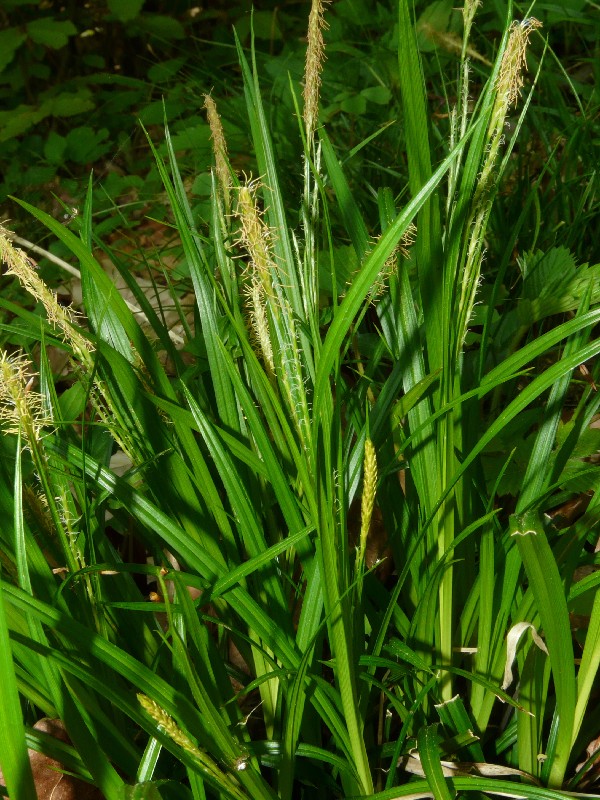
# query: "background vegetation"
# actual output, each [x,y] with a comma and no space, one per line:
[306,508]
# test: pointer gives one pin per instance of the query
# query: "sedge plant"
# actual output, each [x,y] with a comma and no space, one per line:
[341,603]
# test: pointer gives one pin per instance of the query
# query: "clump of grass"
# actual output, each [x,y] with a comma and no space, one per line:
[269,662]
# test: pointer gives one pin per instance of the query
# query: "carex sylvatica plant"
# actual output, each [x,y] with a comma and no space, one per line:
[307,578]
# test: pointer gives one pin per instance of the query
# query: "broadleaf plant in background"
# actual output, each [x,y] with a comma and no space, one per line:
[268,554]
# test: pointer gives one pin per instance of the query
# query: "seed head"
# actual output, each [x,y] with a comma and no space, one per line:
[369,491]
[259,320]
[168,724]
[315,55]
[219,147]
[20,407]
[64,319]
[255,236]
[514,62]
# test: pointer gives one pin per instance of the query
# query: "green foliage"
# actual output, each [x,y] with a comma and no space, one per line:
[187,580]
[71,90]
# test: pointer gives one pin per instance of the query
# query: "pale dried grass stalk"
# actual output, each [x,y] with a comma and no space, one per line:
[451,42]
